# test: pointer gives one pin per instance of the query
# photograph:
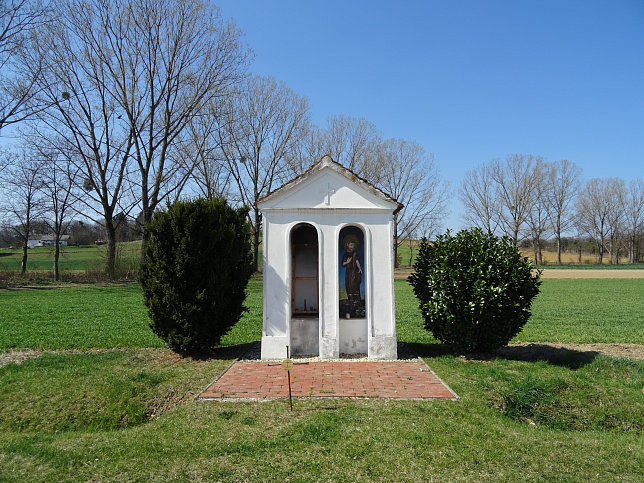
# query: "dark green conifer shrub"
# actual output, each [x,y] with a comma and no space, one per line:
[474,289]
[194,275]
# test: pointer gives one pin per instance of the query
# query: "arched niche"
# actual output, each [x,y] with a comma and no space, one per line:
[352,303]
[351,271]
[305,299]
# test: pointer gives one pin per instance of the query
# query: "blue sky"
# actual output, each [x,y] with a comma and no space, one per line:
[469,80]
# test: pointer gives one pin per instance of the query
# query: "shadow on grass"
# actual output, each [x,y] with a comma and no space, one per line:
[222,353]
[556,356]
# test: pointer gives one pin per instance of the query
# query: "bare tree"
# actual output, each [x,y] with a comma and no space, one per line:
[84,120]
[201,152]
[59,182]
[261,131]
[634,218]
[538,213]
[19,20]
[616,199]
[165,62]
[515,188]
[598,211]
[410,176]
[5,158]
[560,190]
[477,192]
[125,78]
[23,184]
[354,143]
[308,150]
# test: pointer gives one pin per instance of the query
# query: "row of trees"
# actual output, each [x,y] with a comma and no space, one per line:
[132,104]
[124,106]
[526,198]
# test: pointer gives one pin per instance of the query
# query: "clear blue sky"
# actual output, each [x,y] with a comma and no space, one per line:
[469,80]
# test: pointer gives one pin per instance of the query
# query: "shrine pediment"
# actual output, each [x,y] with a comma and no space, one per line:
[328,185]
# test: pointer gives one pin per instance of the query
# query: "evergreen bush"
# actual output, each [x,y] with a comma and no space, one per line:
[197,264]
[474,289]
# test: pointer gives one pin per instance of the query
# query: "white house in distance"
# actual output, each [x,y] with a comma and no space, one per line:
[46,241]
[328,266]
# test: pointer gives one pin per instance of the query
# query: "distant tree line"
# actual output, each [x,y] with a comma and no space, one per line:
[125,106]
[531,200]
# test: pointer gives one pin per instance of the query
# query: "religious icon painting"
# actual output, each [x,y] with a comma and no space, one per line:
[351,273]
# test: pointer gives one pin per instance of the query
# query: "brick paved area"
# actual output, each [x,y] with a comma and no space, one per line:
[267,380]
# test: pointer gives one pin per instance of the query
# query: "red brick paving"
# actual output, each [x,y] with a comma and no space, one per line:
[267,380]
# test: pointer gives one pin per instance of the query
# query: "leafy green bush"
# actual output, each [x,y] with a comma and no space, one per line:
[196,268]
[474,289]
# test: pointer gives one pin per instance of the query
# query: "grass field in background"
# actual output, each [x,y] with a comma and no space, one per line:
[90,258]
[572,311]
[128,414]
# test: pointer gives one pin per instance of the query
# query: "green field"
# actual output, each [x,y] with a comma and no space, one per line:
[88,263]
[119,406]
[91,258]
[574,311]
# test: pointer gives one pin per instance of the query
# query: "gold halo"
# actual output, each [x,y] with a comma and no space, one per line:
[350,238]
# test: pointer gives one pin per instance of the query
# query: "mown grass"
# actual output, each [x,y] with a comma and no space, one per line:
[71,258]
[128,414]
[103,317]
[75,318]
[73,437]
[97,317]
[587,311]
[579,311]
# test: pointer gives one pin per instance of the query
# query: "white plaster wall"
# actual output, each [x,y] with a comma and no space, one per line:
[354,336]
[378,272]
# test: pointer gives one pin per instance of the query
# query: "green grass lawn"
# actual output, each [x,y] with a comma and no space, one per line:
[71,258]
[566,310]
[99,413]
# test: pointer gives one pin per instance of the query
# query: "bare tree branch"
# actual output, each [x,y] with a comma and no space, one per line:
[409,174]
[19,22]
[22,184]
[263,125]
[561,188]
[480,201]
[599,212]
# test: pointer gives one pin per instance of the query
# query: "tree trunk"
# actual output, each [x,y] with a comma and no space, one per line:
[396,264]
[56,257]
[145,235]
[411,251]
[535,247]
[23,264]
[558,249]
[110,265]
[256,229]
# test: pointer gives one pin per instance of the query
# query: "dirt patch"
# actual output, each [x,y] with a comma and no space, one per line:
[531,351]
[524,351]
[591,273]
[18,356]
[152,355]
[403,273]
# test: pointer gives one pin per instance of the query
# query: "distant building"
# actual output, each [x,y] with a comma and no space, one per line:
[46,241]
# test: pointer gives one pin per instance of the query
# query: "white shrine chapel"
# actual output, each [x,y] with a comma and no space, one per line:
[328,266]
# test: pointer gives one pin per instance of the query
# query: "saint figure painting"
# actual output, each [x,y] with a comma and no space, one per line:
[351,273]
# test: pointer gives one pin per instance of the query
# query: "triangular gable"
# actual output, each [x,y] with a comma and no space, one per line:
[328,185]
